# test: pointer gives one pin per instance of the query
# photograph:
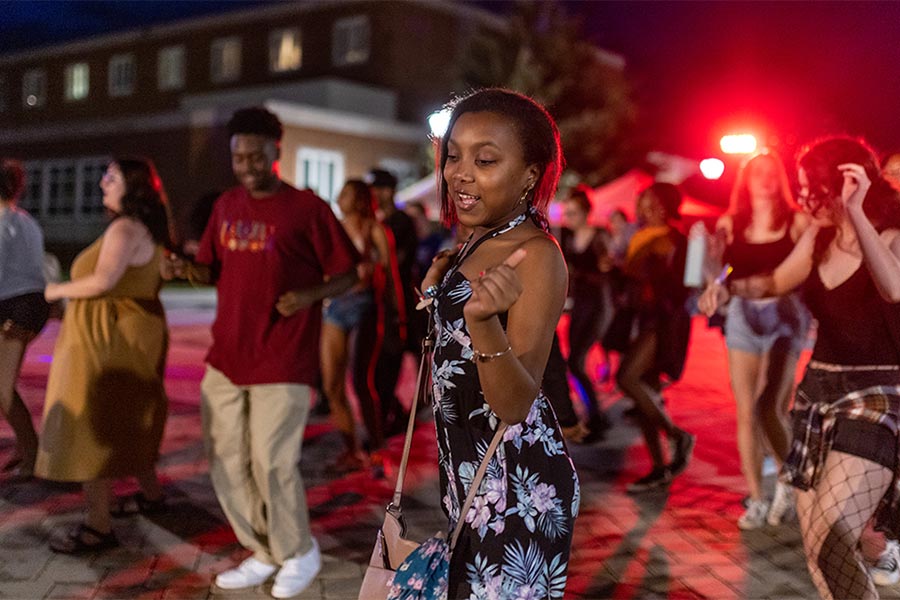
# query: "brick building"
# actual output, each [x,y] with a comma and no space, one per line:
[353,81]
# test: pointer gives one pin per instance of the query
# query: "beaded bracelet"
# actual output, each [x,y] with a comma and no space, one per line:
[482,357]
[430,292]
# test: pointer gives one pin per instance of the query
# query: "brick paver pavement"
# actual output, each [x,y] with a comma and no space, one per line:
[682,543]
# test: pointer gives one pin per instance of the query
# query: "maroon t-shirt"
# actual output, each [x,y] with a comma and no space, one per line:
[262,248]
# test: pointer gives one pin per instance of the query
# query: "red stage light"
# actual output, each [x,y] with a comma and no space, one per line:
[712,168]
[743,143]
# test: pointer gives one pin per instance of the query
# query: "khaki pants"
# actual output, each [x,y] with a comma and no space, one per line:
[253,436]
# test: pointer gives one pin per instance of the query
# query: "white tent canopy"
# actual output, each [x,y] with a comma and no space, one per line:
[621,194]
[617,194]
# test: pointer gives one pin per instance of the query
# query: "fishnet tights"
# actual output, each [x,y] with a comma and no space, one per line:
[832,518]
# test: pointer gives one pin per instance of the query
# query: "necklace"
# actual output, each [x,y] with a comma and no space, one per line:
[468,249]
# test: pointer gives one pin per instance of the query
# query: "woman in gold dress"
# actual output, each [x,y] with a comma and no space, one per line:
[106,406]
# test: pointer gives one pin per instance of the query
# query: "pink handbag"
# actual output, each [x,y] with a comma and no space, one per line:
[391,545]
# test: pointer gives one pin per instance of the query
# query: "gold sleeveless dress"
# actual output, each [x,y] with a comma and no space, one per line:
[106,407]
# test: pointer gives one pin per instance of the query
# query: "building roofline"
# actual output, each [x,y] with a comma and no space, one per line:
[189,24]
[336,121]
[295,114]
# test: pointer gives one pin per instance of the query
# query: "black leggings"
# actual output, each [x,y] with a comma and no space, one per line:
[584,332]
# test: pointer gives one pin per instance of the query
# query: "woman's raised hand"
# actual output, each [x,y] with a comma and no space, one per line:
[495,290]
[856,185]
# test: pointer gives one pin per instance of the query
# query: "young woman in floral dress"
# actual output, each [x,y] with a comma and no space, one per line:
[496,305]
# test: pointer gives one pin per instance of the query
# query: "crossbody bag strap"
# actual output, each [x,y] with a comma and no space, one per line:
[427,344]
[476,483]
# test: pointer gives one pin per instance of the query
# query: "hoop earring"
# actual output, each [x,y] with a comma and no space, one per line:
[524,196]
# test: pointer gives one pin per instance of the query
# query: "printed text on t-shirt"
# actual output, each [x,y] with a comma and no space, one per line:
[241,236]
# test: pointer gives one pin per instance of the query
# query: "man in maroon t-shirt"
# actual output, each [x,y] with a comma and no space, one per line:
[274,252]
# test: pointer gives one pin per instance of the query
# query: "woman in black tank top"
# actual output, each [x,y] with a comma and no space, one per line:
[763,337]
[585,250]
[846,414]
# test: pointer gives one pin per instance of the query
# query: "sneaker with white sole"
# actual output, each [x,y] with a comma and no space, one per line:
[755,515]
[249,573]
[782,504]
[886,570]
[297,573]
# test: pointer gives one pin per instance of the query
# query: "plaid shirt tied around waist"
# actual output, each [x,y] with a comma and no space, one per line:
[822,398]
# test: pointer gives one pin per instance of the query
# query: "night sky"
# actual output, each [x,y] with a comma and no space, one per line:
[797,70]
[788,71]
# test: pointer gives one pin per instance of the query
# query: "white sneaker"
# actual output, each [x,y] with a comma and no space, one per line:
[782,504]
[886,570]
[755,515]
[297,573]
[249,573]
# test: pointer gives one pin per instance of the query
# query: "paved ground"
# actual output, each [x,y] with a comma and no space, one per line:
[678,544]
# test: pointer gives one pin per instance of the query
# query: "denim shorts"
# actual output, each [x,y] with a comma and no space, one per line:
[758,326]
[347,310]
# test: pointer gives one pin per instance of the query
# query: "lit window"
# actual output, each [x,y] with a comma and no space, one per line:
[34,88]
[321,171]
[285,50]
[170,74]
[225,59]
[57,190]
[121,75]
[350,41]
[77,81]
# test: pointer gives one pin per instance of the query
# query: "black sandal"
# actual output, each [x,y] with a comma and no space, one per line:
[74,540]
[138,503]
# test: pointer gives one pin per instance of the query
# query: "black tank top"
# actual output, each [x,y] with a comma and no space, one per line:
[585,277]
[748,259]
[856,325]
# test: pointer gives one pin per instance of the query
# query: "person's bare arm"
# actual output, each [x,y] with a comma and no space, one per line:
[881,252]
[787,276]
[530,285]
[379,239]
[294,300]
[123,239]
[799,224]
[175,266]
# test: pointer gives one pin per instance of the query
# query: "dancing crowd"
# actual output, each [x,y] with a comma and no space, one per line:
[311,297]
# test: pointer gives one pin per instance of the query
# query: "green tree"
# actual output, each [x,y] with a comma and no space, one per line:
[544,54]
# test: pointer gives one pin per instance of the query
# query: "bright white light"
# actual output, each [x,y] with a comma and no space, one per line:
[438,122]
[743,143]
[712,168]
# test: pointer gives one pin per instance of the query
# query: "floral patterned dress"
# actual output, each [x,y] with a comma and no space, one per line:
[518,532]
